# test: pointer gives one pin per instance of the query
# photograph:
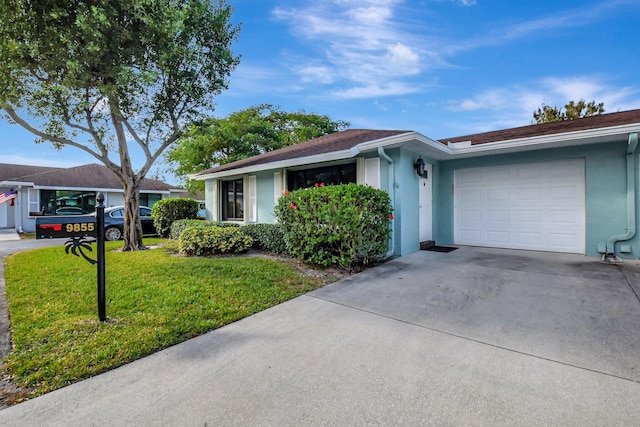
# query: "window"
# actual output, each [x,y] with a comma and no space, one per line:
[149,199]
[119,213]
[232,200]
[62,202]
[329,175]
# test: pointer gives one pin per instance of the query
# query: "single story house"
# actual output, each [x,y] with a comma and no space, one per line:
[62,191]
[568,186]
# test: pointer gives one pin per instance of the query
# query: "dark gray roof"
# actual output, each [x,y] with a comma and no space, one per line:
[586,123]
[337,141]
[350,138]
[85,176]
[15,172]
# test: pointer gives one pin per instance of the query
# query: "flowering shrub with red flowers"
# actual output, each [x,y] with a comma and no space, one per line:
[344,225]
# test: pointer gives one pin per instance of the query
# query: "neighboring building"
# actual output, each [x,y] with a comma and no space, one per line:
[568,186]
[64,191]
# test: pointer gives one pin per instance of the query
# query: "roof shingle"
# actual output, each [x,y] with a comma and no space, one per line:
[85,176]
[337,141]
[586,123]
[15,172]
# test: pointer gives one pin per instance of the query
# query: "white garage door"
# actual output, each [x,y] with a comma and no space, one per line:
[537,206]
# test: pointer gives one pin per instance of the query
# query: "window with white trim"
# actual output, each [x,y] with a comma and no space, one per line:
[232,200]
[327,175]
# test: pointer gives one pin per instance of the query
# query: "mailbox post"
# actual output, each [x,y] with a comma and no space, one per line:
[102,309]
[80,231]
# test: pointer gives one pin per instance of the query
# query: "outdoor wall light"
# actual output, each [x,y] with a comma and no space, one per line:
[419,166]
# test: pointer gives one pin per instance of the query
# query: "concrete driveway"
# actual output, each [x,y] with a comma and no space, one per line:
[472,337]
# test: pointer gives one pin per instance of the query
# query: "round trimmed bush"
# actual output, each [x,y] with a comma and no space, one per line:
[210,240]
[180,225]
[164,212]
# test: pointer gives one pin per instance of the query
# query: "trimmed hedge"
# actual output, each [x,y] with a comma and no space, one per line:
[268,237]
[164,212]
[180,225]
[344,225]
[210,240]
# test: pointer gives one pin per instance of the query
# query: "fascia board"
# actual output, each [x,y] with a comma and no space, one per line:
[104,190]
[159,191]
[61,188]
[318,158]
[547,140]
[16,184]
[401,139]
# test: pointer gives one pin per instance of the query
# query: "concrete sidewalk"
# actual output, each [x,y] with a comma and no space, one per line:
[8,234]
[473,337]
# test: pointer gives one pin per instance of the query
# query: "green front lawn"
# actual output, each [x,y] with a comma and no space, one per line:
[154,300]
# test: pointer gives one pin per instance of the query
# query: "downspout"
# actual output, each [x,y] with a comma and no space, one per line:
[18,211]
[609,255]
[392,194]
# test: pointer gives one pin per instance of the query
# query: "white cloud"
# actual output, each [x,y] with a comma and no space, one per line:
[380,106]
[252,80]
[363,45]
[500,34]
[375,48]
[315,74]
[402,60]
[18,159]
[371,91]
[515,104]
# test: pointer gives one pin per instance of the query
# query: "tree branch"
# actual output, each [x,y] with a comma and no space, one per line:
[141,143]
[63,141]
[88,112]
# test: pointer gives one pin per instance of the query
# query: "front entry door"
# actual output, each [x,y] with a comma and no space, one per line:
[426,201]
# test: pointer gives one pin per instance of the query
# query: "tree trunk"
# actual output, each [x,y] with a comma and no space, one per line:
[132,226]
[132,232]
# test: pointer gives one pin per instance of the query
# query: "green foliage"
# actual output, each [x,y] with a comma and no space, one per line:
[572,110]
[343,225]
[154,300]
[164,212]
[100,75]
[177,227]
[180,225]
[268,237]
[243,134]
[213,240]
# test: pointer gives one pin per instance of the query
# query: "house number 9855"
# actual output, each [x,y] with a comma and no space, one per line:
[76,228]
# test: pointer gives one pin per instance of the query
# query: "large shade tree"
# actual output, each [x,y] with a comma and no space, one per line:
[111,77]
[572,110]
[245,133]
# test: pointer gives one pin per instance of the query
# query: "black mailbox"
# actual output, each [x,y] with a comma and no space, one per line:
[52,227]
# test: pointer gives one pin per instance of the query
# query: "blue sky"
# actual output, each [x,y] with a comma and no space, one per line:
[441,67]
